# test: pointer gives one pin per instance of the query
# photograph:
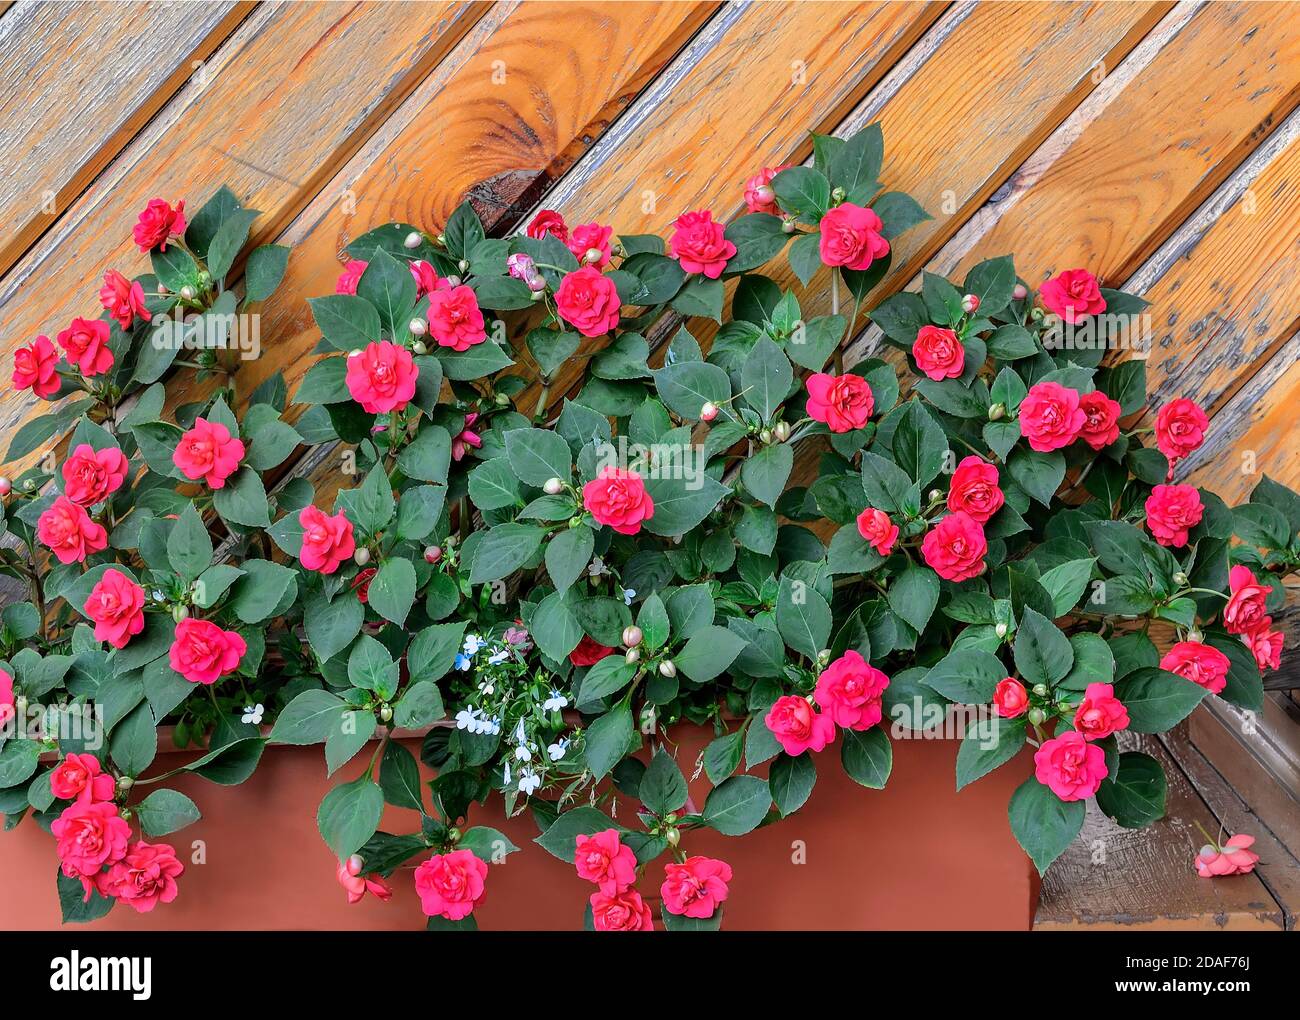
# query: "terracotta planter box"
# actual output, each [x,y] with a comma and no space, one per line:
[916,855]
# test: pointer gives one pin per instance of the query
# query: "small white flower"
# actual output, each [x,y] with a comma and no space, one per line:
[506,774]
[498,657]
[555,702]
[472,644]
[253,714]
[628,596]
[487,686]
[493,726]
[521,735]
[597,567]
[463,662]
[557,750]
[529,782]
[523,753]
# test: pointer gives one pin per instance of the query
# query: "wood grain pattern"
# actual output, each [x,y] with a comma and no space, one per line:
[1117,178]
[555,99]
[74,115]
[256,121]
[1113,878]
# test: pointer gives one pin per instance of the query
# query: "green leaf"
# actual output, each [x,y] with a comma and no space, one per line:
[887,486]
[1039,474]
[791,781]
[567,555]
[663,787]
[230,764]
[331,625]
[899,212]
[399,777]
[388,285]
[371,667]
[347,322]
[560,838]
[766,378]
[341,746]
[867,757]
[982,751]
[489,845]
[349,816]
[418,511]
[503,550]
[308,719]
[165,811]
[765,473]
[189,549]
[737,805]
[709,652]
[919,444]
[536,456]
[1156,699]
[802,616]
[1043,824]
[134,741]
[73,905]
[230,237]
[688,385]
[478,362]
[554,627]
[682,503]
[493,485]
[392,589]
[913,594]
[1135,795]
[855,166]
[242,500]
[264,271]
[608,676]
[992,281]
[1066,583]
[968,676]
[1042,652]
[428,458]
[608,740]
[262,589]
[370,506]
[421,705]
[701,297]
[803,192]
[551,348]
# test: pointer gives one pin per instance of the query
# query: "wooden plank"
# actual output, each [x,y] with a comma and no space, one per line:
[81,80]
[1278,869]
[951,146]
[293,94]
[647,146]
[1113,878]
[1123,171]
[678,152]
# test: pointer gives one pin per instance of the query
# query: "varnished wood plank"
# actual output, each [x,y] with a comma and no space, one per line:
[285,102]
[771,73]
[568,70]
[1114,878]
[1278,868]
[80,80]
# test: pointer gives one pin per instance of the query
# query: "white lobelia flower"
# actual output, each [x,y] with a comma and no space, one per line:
[467,719]
[493,725]
[498,657]
[472,644]
[523,753]
[529,781]
[597,567]
[554,702]
[253,714]
[557,750]
[463,662]
[628,596]
[505,775]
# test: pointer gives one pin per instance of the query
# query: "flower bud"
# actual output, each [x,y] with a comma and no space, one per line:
[1000,630]
[1040,690]
[501,400]
[787,225]
[970,303]
[362,556]
[180,613]
[668,668]
[765,436]
[1036,314]
[632,655]
[824,656]
[413,239]
[1180,579]
[592,255]
[385,713]
[418,327]
[672,837]
[462,265]
[1194,634]
[432,554]
[1036,716]
[454,834]
[936,495]
[764,194]
[1019,292]
[709,411]
[632,636]
[441,240]
[6,486]
[419,347]
[355,864]
[187,292]
[997,411]
[838,195]
[124,783]
[537,295]
[553,486]
[29,485]
[781,431]
[536,281]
